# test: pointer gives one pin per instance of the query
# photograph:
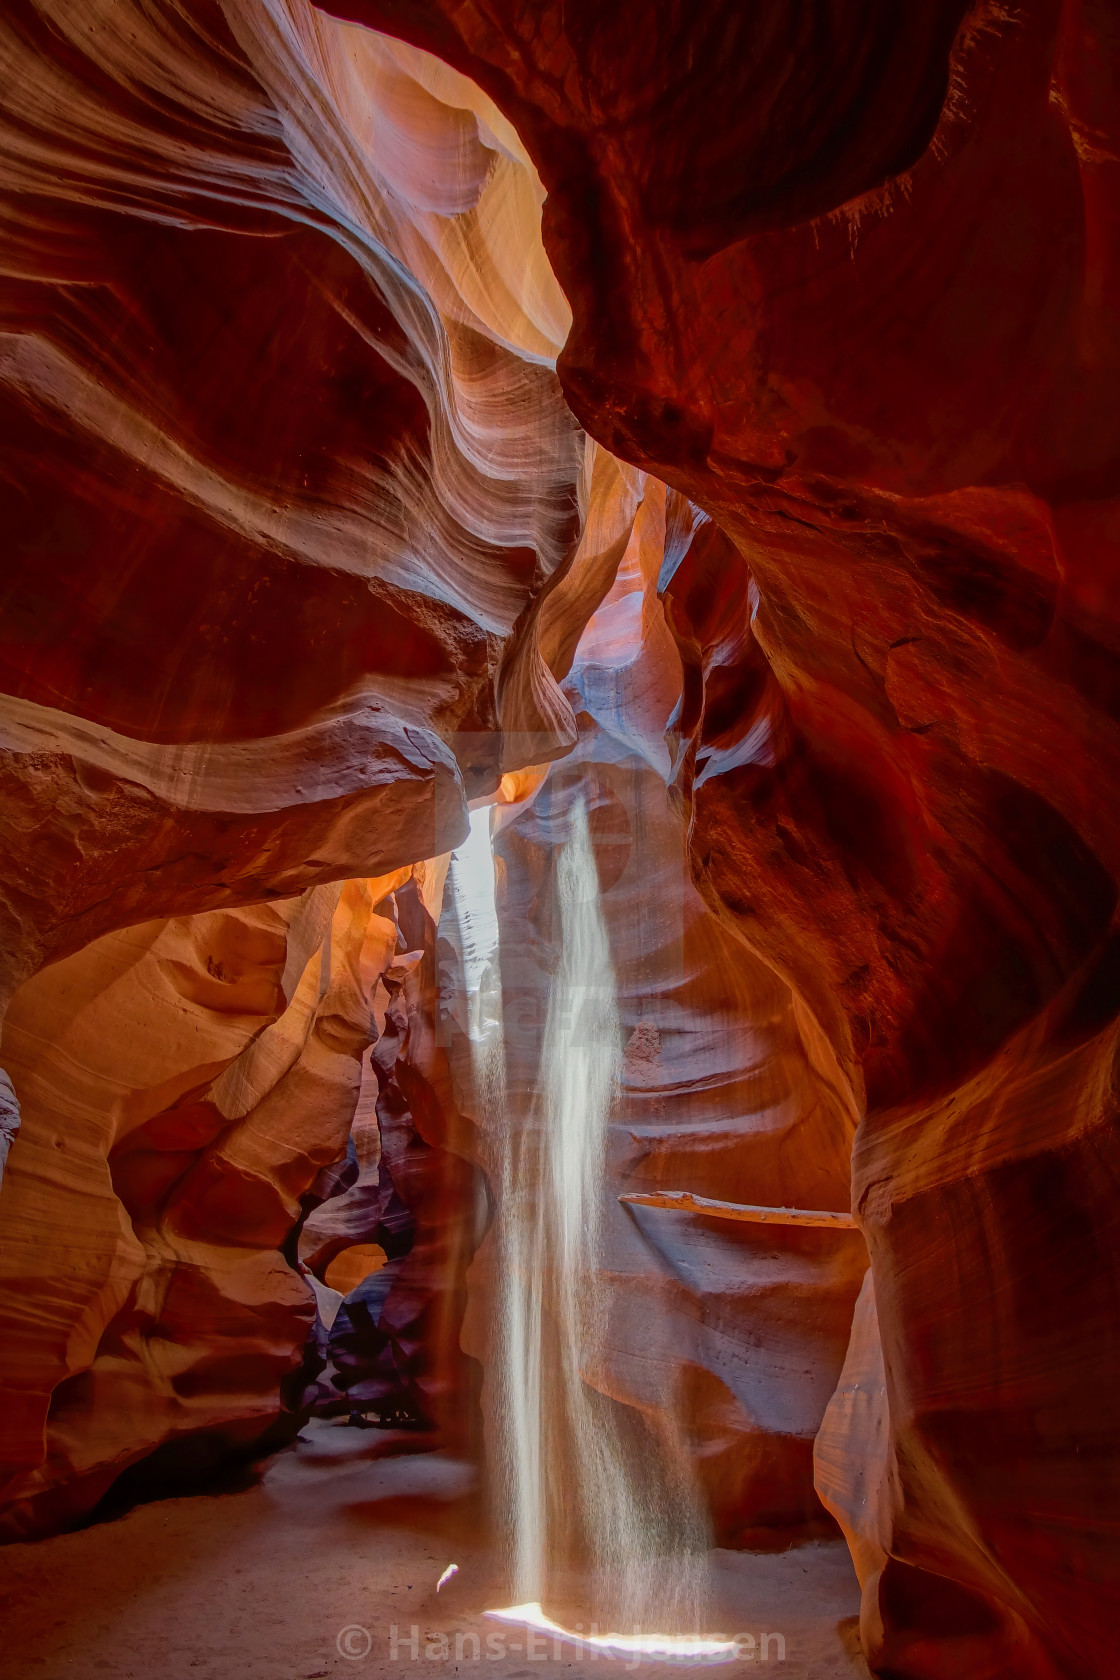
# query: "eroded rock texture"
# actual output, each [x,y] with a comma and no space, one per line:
[846,281]
[862,311]
[288,470]
[288,478]
[182,1085]
[390,1255]
[725,1338]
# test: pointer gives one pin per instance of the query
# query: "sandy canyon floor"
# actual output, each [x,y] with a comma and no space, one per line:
[307,1574]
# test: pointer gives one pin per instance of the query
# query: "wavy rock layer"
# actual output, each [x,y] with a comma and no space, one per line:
[301,530]
[157,1173]
[730,1337]
[846,282]
[408,1225]
[288,465]
[288,478]
[862,312]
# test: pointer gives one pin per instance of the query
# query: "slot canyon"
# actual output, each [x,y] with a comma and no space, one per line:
[559,945]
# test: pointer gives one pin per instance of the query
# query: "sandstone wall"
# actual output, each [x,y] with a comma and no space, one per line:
[182,1084]
[392,1346]
[726,1338]
[288,466]
[288,477]
[848,284]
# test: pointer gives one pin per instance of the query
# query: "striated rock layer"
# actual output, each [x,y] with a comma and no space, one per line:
[725,1339]
[390,1255]
[288,481]
[288,470]
[293,500]
[301,534]
[849,284]
[189,1091]
[182,1084]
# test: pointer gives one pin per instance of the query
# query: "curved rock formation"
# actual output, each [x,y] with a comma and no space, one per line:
[182,1084]
[288,477]
[886,367]
[289,490]
[729,1336]
[288,464]
[410,1221]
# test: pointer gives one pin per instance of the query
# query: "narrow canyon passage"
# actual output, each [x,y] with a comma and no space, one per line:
[559,867]
[327,1558]
[349,1163]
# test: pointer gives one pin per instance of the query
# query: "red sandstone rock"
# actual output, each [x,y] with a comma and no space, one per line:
[392,1343]
[884,357]
[728,1336]
[287,477]
[288,468]
[900,633]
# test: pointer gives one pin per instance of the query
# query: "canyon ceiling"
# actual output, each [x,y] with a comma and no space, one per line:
[354,360]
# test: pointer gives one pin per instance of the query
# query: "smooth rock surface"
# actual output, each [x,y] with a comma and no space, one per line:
[183,1083]
[880,350]
[845,280]
[288,466]
[727,1340]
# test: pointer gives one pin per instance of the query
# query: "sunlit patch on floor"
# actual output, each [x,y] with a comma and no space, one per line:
[691,1648]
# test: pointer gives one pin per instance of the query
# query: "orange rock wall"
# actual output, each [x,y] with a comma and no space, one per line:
[288,479]
[288,507]
[182,1084]
[728,1336]
[849,285]
[393,1343]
